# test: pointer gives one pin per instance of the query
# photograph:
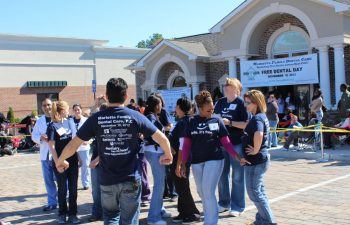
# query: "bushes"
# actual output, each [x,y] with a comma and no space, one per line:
[10,115]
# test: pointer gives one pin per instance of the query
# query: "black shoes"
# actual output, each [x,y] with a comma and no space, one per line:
[49,208]
[73,219]
[61,219]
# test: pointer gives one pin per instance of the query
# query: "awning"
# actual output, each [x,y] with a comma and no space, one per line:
[35,84]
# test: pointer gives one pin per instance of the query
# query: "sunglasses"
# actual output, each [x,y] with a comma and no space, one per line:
[247,103]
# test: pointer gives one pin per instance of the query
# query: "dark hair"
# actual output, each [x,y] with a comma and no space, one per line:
[343,85]
[152,102]
[140,102]
[160,97]
[319,93]
[132,100]
[203,98]
[45,99]
[103,106]
[116,89]
[77,105]
[184,104]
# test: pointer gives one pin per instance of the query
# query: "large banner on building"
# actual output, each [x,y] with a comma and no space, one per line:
[278,72]
[171,96]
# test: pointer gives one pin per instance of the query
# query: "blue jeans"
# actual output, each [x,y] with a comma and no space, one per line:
[236,202]
[256,192]
[206,177]
[158,171]
[96,193]
[85,170]
[273,135]
[49,179]
[121,203]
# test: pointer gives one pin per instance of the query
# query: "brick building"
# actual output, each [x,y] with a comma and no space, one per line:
[33,68]
[256,30]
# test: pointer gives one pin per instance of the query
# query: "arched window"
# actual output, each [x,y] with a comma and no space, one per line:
[290,43]
[179,81]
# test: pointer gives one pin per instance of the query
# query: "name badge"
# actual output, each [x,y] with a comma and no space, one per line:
[213,126]
[232,106]
[61,131]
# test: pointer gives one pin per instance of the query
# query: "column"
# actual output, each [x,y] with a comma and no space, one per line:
[195,89]
[232,67]
[339,66]
[245,89]
[325,83]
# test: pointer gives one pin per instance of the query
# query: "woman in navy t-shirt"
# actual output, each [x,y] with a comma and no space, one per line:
[254,142]
[60,132]
[203,138]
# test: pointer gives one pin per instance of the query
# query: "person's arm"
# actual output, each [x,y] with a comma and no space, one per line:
[178,164]
[345,124]
[226,143]
[67,152]
[36,135]
[94,162]
[258,137]
[163,141]
[53,151]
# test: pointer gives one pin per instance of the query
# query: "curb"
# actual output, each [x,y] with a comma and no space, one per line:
[292,154]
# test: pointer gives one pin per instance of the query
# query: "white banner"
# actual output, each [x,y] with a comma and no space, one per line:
[279,72]
[171,96]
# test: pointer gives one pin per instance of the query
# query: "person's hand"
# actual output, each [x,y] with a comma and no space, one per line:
[226,121]
[166,159]
[85,143]
[243,162]
[44,137]
[250,150]
[80,163]
[61,166]
[183,171]
[93,165]
[178,170]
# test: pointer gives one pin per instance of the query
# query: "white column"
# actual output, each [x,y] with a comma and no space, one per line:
[195,89]
[245,89]
[339,66]
[232,67]
[325,83]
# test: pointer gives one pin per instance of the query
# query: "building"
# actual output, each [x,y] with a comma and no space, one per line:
[256,30]
[33,68]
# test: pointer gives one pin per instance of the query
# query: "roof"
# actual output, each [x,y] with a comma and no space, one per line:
[195,48]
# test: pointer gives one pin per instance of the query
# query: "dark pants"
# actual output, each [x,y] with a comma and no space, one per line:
[70,176]
[169,189]
[96,193]
[146,191]
[185,205]
[293,137]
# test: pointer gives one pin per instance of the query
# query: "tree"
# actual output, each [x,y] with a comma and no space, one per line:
[151,42]
[10,115]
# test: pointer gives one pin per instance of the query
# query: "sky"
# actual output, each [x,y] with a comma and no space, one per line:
[122,22]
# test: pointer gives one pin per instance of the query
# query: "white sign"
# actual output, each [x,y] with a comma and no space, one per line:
[278,72]
[171,96]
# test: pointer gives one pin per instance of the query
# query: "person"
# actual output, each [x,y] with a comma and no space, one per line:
[255,142]
[141,104]
[153,152]
[272,116]
[316,104]
[132,105]
[234,115]
[188,212]
[59,132]
[344,102]
[39,136]
[203,138]
[164,118]
[294,135]
[84,149]
[116,130]
[281,105]
[96,211]
[288,99]
[344,124]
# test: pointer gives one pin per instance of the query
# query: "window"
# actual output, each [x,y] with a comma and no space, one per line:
[40,97]
[290,43]
[179,81]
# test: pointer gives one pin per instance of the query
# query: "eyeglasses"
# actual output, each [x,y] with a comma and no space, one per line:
[247,103]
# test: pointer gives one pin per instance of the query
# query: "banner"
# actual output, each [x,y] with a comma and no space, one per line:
[279,72]
[171,96]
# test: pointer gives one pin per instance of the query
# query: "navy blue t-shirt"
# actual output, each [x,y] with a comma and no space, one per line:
[155,121]
[233,111]
[259,122]
[178,132]
[164,117]
[61,133]
[205,135]
[116,130]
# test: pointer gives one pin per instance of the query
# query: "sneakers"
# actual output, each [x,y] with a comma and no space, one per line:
[235,213]
[49,208]
[159,222]
[223,209]
[166,214]
[177,219]
[191,220]
[173,199]
[284,149]
[94,219]
[73,219]
[61,219]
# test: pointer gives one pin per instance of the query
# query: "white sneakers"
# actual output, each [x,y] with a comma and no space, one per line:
[223,209]
[235,213]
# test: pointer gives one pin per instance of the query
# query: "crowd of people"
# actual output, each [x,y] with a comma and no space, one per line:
[207,138]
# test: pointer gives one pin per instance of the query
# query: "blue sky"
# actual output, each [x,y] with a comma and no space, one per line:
[123,23]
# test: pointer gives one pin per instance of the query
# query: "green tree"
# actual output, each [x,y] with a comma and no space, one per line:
[151,42]
[10,115]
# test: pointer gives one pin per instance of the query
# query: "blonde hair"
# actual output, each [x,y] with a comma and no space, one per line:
[258,98]
[203,98]
[57,107]
[235,83]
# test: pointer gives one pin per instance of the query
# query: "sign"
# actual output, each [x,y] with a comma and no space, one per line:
[93,86]
[171,96]
[279,72]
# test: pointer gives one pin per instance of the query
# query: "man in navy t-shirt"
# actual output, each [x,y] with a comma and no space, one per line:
[117,130]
